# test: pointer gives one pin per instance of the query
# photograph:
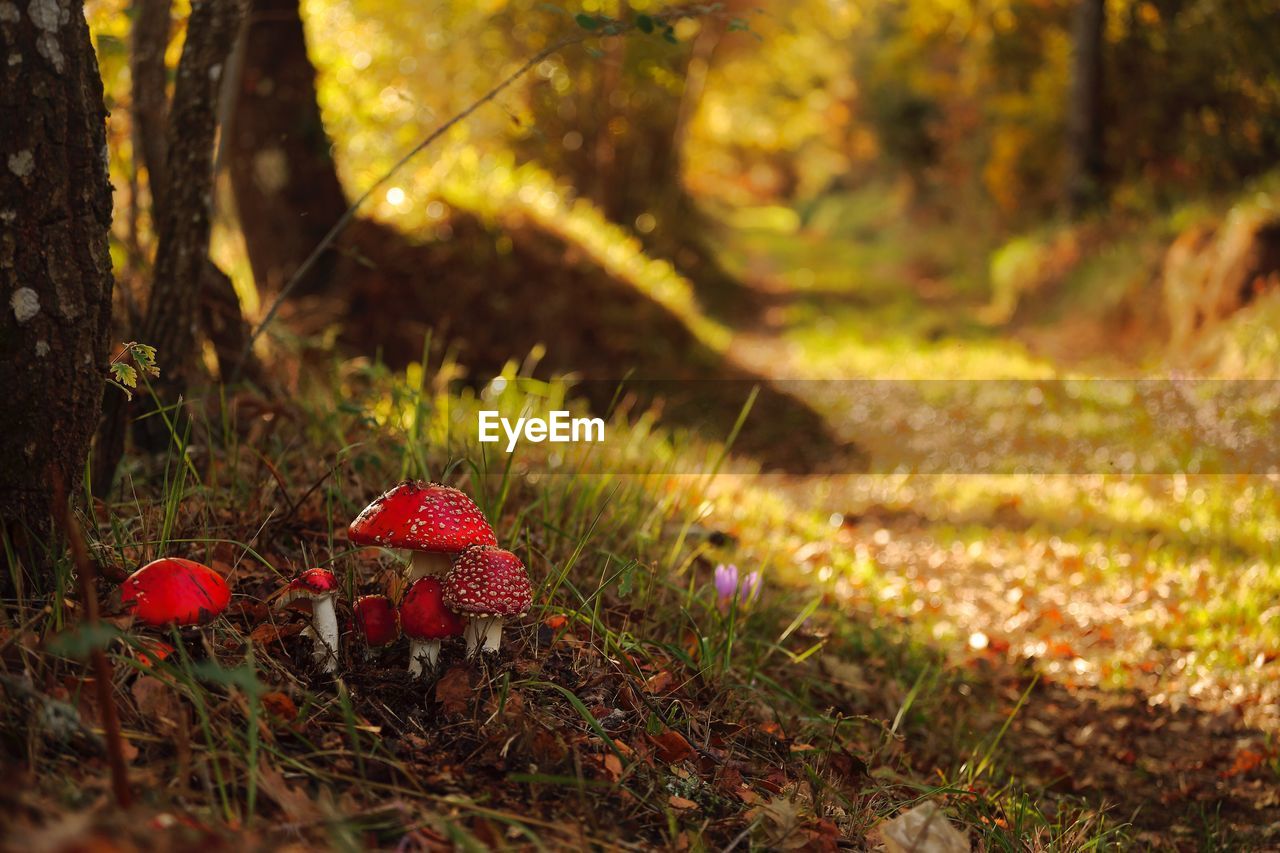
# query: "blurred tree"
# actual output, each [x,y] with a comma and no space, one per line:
[183,211]
[282,170]
[221,319]
[1084,124]
[55,268]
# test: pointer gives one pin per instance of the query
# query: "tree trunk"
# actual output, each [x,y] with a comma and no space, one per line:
[286,186]
[55,268]
[184,209]
[221,319]
[148,40]
[1084,118]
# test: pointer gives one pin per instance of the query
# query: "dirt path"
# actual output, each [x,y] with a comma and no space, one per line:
[1173,728]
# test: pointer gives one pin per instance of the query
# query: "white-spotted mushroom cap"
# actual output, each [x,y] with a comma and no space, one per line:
[422,517]
[488,581]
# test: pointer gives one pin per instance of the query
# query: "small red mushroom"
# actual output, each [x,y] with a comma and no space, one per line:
[426,621]
[320,588]
[432,521]
[489,585]
[376,620]
[174,591]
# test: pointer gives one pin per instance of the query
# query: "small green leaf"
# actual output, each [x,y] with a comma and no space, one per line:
[125,375]
[669,34]
[586,22]
[645,23]
[737,25]
[595,53]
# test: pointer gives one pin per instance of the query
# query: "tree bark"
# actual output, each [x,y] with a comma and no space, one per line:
[221,319]
[55,268]
[286,186]
[1085,178]
[184,209]
[148,40]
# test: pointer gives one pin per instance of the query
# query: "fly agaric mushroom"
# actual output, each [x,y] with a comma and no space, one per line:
[426,621]
[174,591]
[431,521]
[489,585]
[319,587]
[376,620]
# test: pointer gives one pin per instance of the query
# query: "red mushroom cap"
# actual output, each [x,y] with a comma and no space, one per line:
[423,614]
[488,581]
[173,591]
[310,585]
[422,517]
[376,620]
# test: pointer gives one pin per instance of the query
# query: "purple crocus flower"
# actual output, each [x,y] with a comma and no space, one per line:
[726,581]
[729,587]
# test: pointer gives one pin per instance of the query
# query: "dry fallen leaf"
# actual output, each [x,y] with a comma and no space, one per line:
[681,803]
[453,691]
[671,746]
[924,829]
[659,683]
[297,805]
[279,706]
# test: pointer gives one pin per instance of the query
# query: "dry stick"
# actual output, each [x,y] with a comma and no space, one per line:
[101,666]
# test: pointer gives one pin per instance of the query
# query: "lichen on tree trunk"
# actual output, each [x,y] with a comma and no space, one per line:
[55,267]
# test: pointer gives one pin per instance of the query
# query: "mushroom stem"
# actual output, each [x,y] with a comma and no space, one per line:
[325,636]
[423,654]
[484,631]
[424,563]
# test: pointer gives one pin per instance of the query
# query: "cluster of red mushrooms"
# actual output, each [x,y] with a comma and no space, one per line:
[460,583]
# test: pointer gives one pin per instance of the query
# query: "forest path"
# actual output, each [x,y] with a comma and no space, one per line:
[1144,604]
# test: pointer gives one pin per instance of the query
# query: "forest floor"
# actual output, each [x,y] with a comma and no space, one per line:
[1066,657]
[1141,601]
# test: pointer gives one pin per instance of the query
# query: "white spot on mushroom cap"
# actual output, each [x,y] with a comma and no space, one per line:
[25,303]
[22,163]
[42,349]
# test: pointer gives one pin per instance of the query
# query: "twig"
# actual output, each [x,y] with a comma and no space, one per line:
[24,627]
[101,665]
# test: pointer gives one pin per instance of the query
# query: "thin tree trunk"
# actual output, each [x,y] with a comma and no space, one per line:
[148,40]
[221,319]
[286,186]
[184,209]
[55,268]
[1084,119]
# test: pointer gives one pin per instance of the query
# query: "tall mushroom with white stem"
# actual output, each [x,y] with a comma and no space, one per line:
[489,585]
[426,620]
[430,521]
[319,587]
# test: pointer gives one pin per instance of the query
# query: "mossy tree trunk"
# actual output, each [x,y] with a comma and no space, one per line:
[55,267]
